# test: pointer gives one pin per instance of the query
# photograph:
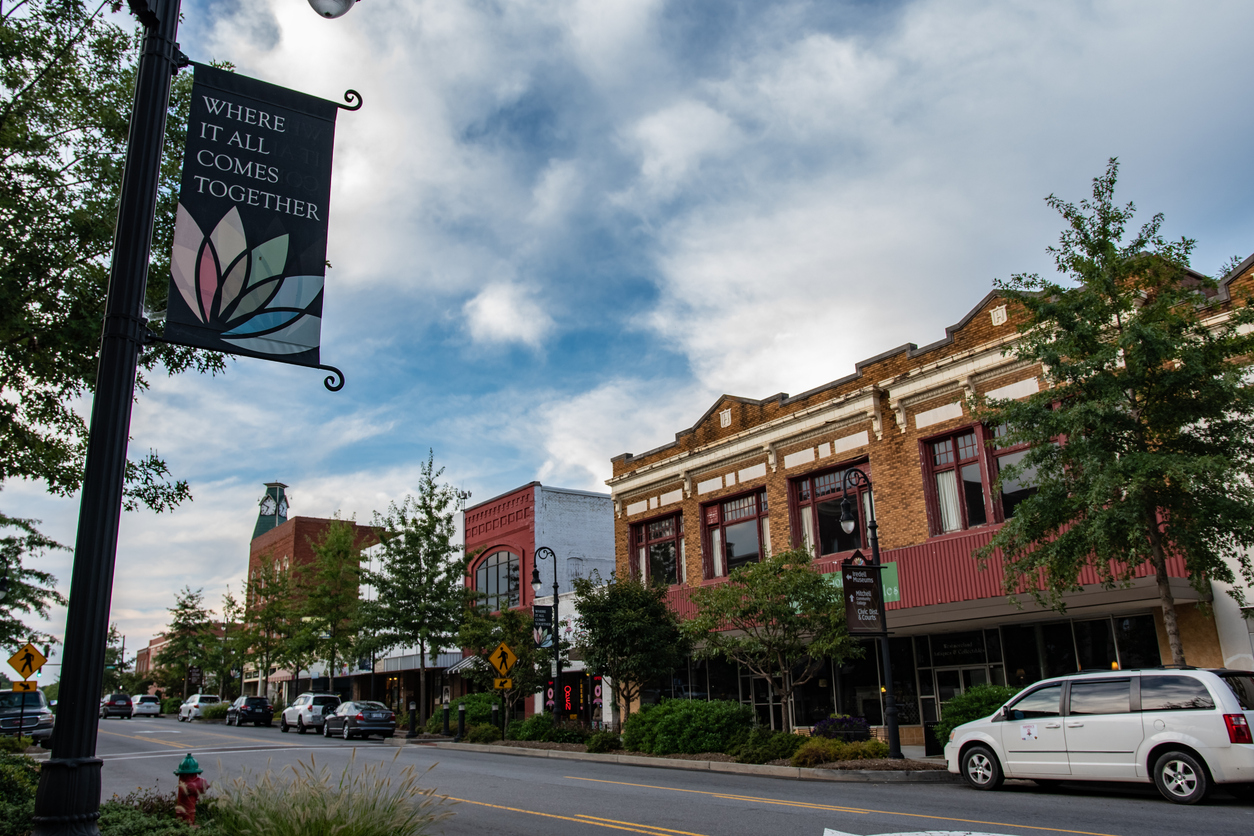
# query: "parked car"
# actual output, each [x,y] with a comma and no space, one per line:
[1183,729]
[193,705]
[116,705]
[257,710]
[29,709]
[307,711]
[360,719]
[147,705]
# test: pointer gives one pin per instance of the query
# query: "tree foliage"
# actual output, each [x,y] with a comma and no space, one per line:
[773,617]
[482,631]
[1143,439]
[628,634]
[31,592]
[66,81]
[188,640]
[331,586]
[267,612]
[420,594]
[115,661]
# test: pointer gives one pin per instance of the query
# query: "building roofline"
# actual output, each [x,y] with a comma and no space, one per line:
[479,505]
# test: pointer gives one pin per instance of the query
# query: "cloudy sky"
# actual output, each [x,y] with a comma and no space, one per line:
[561,228]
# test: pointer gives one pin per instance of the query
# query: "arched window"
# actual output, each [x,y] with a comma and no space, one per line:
[496,580]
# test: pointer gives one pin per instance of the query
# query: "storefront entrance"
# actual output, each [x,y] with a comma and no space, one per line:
[953,681]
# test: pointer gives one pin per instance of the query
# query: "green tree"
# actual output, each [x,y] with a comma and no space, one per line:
[773,617]
[332,585]
[66,77]
[188,639]
[31,592]
[227,654]
[482,631]
[115,661]
[267,611]
[419,590]
[1142,439]
[628,634]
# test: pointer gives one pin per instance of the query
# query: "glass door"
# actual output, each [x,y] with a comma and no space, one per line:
[950,682]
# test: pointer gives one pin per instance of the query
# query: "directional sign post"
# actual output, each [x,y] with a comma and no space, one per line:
[502,659]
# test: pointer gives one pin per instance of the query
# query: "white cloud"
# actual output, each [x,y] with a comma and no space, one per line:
[674,141]
[507,313]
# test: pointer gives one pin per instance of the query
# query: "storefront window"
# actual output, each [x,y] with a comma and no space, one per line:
[818,501]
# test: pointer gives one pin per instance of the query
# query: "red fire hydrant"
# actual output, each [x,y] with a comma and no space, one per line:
[191,787]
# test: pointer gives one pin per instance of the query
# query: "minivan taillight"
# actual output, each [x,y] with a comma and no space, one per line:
[1238,728]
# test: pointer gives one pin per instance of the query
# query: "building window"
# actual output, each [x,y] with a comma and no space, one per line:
[659,550]
[737,531]
[1013,491]
[818,503]
[956,478]
[496,581]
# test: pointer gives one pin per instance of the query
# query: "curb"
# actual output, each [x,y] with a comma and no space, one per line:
[856,776]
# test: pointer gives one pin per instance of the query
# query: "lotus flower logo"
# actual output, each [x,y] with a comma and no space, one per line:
[242,292]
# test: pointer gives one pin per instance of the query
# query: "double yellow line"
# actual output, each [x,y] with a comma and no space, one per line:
[580,818]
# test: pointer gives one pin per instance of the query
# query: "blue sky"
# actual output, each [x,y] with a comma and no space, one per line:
[559,230]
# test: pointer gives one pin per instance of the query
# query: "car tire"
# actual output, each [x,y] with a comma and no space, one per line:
[300,726]
[1181,777]
[326,729]
[980,769]
[283,727]
[347,734]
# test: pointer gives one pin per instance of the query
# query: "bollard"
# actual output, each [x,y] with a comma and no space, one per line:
[496,721]
[413,720]
[191,788]
[461,722]
[446,708]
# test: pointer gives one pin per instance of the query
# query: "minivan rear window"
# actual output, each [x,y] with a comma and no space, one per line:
[1242,684]
[1174,693]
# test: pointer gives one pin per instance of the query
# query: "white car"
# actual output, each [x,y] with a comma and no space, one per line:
[193,705]
[307,712]
[1183,729]
[145,705]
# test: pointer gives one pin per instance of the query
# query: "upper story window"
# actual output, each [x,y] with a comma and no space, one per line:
[957,479]
[1013,491]
[496,580]
[818,504]
[659,550]
[737,531]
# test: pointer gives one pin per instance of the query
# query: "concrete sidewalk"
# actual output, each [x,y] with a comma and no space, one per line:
[862,776]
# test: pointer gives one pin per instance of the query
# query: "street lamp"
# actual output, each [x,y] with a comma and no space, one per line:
[849,522]
[545,553]
[332,8]
[68,798]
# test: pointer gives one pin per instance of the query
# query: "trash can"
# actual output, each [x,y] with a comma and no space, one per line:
[931,745]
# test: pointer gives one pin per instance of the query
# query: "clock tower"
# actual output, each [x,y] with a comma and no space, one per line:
[273,510]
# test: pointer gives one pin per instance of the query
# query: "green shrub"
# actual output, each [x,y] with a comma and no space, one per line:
[15,745]
[170,705]
[687,726]
[535,727]
[975,703]
[217,711]
[604,741]
[765,745]
[482,733]
[819,750]
[19,777]
[375,799]
[568,734]
[478,708]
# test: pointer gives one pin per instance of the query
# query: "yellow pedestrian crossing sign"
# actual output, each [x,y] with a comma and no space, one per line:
[27,661]
[503,684]
[502,659]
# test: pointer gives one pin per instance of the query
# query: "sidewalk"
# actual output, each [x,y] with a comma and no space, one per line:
[861,776]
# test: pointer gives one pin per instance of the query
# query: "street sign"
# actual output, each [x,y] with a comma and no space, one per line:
[503,684]
[29,685]
[502,659]
[864,598]
[888,572]
[27,660]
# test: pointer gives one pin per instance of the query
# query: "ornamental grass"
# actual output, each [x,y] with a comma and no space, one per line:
[305,799]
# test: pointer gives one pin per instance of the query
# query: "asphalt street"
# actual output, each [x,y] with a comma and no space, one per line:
[502,794]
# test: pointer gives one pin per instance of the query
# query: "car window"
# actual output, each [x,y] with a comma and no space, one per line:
[301,700]
[148,699]
[34,699]
[1242,684]
[1108,696]
[1043,702]
[208,700]
[345,708]
[326,701]
[1174,693]
[373,706]
[257,701]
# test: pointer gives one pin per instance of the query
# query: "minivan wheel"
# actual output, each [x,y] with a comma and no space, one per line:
[980,768]
[1181,778]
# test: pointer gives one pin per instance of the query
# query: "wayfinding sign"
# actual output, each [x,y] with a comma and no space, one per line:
[250,235]
[864,597]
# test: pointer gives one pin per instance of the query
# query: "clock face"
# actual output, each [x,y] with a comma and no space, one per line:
[267,506]
[283,508]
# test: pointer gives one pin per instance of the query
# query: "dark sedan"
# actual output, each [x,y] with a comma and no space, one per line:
[256,710]
[360,719]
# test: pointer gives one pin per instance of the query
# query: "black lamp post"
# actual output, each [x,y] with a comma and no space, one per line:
[68,798]
[849,522]
[545,553]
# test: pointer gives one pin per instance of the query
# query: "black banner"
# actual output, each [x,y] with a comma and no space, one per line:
[542,622]
[250,238]
[864,598]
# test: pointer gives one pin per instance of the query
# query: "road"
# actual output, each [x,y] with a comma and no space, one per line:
[502,794]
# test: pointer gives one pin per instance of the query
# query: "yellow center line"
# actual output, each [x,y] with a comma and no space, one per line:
[648,829]
[814,806]
[615,821]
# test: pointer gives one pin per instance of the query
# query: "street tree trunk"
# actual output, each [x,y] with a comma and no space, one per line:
[1159,561]
[422,685]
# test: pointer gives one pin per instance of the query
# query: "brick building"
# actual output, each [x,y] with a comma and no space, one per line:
[755,476]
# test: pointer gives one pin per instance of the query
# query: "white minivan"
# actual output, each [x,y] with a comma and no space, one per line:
[1183,729]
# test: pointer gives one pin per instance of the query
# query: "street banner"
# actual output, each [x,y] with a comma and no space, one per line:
[542,625]
[864,599]
[250,235]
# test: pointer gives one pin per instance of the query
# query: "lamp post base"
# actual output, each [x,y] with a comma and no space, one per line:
[76,785]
